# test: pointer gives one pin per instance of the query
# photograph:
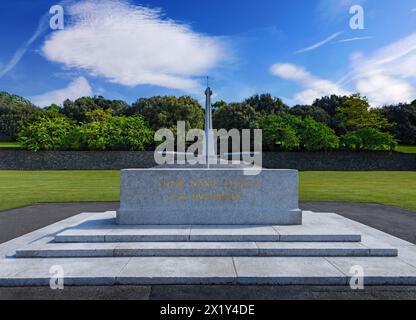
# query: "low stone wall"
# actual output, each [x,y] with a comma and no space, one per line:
[114,160]
[74,160]
[341,161]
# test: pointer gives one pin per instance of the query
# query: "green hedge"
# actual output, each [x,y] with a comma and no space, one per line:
[51,131]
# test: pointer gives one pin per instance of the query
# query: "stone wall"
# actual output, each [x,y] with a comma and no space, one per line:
[341,161]
[74,160]
[79,160]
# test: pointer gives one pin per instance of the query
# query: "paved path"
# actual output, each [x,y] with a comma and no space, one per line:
[398,222]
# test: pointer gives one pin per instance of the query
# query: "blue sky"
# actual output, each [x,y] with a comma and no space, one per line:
[298,50]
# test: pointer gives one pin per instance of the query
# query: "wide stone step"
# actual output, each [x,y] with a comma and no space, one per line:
[114,233]
[202,249]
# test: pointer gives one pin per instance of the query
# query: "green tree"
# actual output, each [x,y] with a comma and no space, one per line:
[265,104]
[317,113]
[77,109]
[235,116]
[14,112]
[165,112]
[278,134]
[291,132]
[358,115]
[316,136]
[218,104]
[331,103]
[52,108]
[403,118]
[98,115]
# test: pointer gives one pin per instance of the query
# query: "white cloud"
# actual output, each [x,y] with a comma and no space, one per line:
[381,89]
[76,89]
[20,52]
[314,87]
[133,45]
[320,44]
[289,72]
[355,39]
[388,76]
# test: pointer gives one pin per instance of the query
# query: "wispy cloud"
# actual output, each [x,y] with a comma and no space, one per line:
[387,76]
[134,45]
[18,55]
[414,10]
[78,88]
[314,87]
[42,27]
[320,44]
[355,39]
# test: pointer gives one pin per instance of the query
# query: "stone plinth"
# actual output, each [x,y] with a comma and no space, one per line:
[167,196]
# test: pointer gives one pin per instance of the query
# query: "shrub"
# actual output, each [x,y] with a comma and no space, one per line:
[369,139]
[115,133]
[46,132]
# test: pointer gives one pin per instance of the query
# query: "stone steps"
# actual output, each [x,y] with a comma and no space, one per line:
[202,249]
[114,233]
[27,261]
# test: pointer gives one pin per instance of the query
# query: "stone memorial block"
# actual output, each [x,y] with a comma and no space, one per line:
[167,196]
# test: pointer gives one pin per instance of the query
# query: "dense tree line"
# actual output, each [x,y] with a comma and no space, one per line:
[91,123]
[14,111]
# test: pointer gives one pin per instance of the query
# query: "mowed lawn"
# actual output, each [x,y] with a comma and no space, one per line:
[406,149]
[9,145]
[21,188]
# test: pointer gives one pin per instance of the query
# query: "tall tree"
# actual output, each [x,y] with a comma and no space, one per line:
[404,118]
[317,113]
[358,115]
[331,103]
[165,112]
[14,111]
[235,116]
[265,104]
[76,109]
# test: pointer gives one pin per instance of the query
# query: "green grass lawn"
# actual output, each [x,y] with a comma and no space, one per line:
[9,145]
[406,149]
[384,187]
[21,188]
